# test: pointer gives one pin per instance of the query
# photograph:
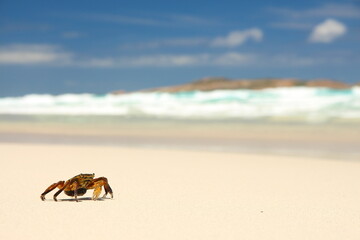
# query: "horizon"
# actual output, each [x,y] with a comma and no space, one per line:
[122,91]
[103,47]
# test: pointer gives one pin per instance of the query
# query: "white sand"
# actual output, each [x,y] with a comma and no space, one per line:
[160,194]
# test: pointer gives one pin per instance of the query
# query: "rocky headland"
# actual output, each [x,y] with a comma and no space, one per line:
[215,83]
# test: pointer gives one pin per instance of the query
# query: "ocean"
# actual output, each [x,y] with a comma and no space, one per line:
[312,122]
[300,104]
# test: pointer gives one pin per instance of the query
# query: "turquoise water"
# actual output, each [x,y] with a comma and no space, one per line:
[299,103]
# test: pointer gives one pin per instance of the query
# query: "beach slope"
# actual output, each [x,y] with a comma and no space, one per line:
[173,194]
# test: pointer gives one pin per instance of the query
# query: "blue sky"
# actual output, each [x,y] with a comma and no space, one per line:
[99,46]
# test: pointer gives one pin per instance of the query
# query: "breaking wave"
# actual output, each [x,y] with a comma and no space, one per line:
[308,104]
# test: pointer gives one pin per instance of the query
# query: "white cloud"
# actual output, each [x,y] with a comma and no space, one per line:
[27,54]
[95,62]
[227,59]
[192,20]
[234,58]
[236,38]
[327,31]
[233,39]
[121,19]
[336,10]
[49,55]
[157,20]
[174,42]
[327,10]
[292,60]
[205,59]
[171,60]
[163,60]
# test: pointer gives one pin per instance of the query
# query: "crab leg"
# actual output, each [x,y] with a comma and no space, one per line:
[75,186]
[59,184]
[61,189]
[108,189]
[97,184]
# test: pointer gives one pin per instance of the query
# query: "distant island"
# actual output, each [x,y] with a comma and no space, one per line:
[216,83]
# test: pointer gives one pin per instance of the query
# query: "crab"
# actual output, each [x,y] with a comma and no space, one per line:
[78,185]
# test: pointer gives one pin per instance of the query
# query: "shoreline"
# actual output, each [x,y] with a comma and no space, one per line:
[323,140]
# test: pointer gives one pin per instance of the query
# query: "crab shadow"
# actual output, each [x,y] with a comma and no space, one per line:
[81,199]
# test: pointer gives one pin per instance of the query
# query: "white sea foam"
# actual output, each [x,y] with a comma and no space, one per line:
[311,104]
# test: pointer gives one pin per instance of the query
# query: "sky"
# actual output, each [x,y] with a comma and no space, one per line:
[56,47]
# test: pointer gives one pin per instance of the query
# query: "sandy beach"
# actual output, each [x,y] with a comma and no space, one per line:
[326,140]
[178,194]
[210,120]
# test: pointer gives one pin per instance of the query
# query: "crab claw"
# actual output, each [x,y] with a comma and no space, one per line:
[42,197]
[111,194]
